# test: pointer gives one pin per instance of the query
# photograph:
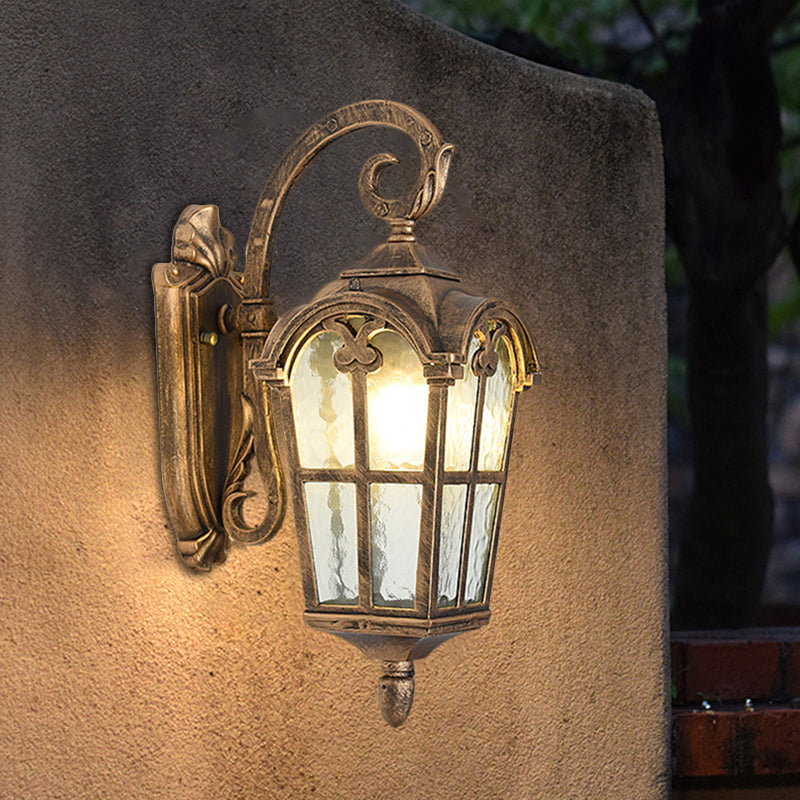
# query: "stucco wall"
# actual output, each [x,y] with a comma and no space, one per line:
[123,675]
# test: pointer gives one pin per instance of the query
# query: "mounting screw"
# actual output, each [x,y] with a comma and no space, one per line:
[209,337]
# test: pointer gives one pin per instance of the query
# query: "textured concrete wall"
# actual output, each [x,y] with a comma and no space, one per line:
[124,676]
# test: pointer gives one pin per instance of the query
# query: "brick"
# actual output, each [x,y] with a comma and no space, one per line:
[730,670]
[774,736]
[739,743]
[703,743]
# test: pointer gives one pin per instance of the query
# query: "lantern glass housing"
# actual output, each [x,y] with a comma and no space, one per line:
[394,399]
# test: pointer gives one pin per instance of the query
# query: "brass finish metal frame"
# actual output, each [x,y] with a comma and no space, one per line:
[224,367]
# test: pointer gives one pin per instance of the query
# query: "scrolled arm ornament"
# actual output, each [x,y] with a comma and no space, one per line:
[400,212]
[356,354]
[432,179]
[235,495]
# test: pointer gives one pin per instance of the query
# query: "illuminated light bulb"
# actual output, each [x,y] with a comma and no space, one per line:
[397,405]
[397,419]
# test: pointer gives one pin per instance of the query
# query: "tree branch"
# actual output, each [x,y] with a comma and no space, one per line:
[773,13]
[785,44]
[651,28]
[790,142]
[793,242]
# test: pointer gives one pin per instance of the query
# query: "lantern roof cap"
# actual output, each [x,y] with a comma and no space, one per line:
[403,284]
[406,257]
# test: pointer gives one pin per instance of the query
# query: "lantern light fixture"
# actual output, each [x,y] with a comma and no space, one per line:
[394,391]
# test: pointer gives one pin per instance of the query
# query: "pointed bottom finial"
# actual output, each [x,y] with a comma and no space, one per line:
[396,691]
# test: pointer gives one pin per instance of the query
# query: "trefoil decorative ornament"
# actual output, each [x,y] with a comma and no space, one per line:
[394,391]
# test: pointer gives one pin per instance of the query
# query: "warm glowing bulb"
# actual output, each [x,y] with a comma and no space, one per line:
[397,419]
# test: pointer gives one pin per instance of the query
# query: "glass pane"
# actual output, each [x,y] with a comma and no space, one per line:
[454,506]
[461,400]
[322,402]
[483,514]
[397,406]
[394,517]
[497,410]
[331,512]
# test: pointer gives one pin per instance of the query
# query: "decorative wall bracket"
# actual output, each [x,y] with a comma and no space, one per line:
[201,353]
[213,320]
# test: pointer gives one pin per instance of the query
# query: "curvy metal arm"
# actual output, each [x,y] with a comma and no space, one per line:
[434,154]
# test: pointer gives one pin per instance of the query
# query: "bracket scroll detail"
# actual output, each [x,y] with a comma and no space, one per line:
[201,398]
[235,494]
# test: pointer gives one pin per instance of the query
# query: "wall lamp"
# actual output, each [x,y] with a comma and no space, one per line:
[394,391]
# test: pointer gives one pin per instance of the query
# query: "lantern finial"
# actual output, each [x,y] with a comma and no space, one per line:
[396,691]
